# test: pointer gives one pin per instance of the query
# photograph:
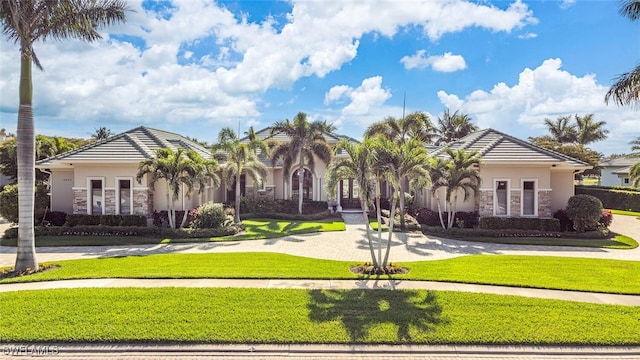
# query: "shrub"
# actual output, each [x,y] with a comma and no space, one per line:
[613,197]
[516,223]
[161,218]
[9,203]
[105,220]
[101,230]
[565,222]
[469,219]
[209,216]
[584,211]
[606,219]
[56,218]
[266,205]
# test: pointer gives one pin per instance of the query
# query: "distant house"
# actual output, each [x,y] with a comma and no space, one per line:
[615,171]
[99,178]
[519,179]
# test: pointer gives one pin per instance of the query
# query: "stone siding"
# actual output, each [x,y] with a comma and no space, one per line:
[110,201]
[79,201]
[544,204]
[515,203]
[485,205]
[142,202]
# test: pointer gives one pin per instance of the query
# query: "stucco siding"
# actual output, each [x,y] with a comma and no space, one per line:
[62,191]
[562,187]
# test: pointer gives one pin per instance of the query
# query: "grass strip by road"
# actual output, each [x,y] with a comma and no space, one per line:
[618,242]
[284,316]
[254,229]
[580,274]
[625,212]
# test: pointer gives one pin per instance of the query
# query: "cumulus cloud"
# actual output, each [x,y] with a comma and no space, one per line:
[447,62]
[565,4]
[361,99]
[528,36]
[547,91]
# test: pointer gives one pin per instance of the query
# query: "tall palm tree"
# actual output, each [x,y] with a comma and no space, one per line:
[180,168]
[25,22]
[634,175]
[589,131]
[635,144]
[358,167]
[452,127]
[626,89]
[460,174]
[240,157]
[562,130]
[416,127]
[306,142]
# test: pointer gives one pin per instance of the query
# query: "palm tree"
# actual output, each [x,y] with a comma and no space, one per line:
[240,157]
[25,22]
[635,144]
[102,133]
[561,129]
[178,168]
[452,127]
[634,175]
[416,126]
[307,142]
[626,89]
[589,131]
[460,174]
[358,167]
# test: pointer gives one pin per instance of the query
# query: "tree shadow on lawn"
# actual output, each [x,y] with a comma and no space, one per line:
[362,310]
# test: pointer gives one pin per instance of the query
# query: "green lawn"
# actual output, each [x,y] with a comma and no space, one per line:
[254,229]
[620,242]
[308,316]
[625,212]
[598,275]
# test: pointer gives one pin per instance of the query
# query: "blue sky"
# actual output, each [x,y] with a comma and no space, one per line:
[195,66]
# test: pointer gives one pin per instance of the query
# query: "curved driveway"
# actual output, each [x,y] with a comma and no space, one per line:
[345,245]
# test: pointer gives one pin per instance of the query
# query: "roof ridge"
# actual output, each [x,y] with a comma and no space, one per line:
[84,147]
[491,145]
[140,145]
[162,142]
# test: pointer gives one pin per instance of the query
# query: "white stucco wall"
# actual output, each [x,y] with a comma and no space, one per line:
[563,188]
[62,190]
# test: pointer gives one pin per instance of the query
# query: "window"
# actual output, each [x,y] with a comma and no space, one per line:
[528,197]
[307,184]
[124,197]
[626,181]
[501,197]
[96,197]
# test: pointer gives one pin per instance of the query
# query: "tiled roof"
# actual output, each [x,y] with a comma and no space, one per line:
[128,147]
[497,147]
[622,161]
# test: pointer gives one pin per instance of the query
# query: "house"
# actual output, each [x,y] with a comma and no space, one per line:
[615,171]
[100,178]
[518,178]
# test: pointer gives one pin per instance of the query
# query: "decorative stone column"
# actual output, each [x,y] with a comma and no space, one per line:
[79,201]
[110,201]
[485,205]
[515,203]
[544,203]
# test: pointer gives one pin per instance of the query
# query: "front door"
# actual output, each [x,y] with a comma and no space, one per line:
[349,194]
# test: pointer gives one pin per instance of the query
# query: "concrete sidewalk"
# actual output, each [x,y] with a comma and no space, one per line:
[382,283]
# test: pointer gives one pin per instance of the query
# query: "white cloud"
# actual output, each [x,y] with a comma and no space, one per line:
[528,36]
[567,4]
[447,62]
[545,92]
[361,99]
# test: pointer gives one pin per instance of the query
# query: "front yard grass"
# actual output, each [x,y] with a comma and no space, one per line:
[580,274]
[254,229]
[620,242]
[285,316]
[625,212]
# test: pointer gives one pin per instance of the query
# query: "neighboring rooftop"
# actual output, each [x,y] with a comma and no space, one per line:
[621,161]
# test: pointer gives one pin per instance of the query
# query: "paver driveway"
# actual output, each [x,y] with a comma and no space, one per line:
[345,245]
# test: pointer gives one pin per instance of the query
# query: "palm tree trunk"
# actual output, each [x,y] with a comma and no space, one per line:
[391,223]
[368,230]
[402,191]
[300,182]
[439,209]
[379,218]
[237,199]
[26,249]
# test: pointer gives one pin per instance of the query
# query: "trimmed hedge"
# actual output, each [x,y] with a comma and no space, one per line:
[154,232]
[613,197]
[517,223]
[507,233]
[283,216]
[431,218]
[106,220]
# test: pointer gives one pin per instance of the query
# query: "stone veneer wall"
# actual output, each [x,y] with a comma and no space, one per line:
[515,203]
[79,201]
[485,205]
[110,201]
[142,202]
[544,203]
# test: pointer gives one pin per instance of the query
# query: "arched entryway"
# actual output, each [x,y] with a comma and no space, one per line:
[307,185]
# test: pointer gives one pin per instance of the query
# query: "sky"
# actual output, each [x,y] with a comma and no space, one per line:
[196,66]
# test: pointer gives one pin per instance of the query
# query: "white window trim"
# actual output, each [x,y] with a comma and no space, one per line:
[495,196]
[90,196]
[118,178]
[535,197]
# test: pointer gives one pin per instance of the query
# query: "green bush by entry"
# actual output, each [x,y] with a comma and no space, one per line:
[9,203]
[618,198]
[210,216]
[515,223]
[585,211]
[102,230]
